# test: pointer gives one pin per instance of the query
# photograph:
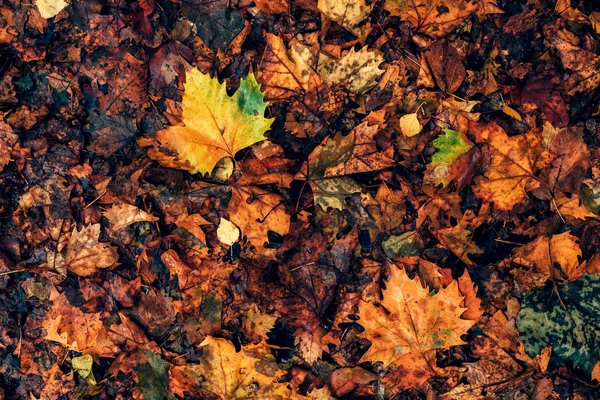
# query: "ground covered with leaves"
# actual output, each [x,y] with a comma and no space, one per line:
[274,199]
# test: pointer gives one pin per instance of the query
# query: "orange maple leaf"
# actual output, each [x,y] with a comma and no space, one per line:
[412,320]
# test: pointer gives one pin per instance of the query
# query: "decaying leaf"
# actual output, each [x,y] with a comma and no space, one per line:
[347,13]
[565,319]
[357,71]
[85,254]
[413,319]
[216,125]
[433,17]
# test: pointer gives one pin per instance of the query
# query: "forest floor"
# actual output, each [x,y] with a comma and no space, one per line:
[278,199]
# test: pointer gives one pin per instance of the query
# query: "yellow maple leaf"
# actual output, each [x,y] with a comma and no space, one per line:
[412,320]
[216,125]
[227,374]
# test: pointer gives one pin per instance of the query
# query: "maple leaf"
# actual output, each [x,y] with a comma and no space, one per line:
[451,146]
[225,373]
[216,125]
[426,17]
[85,254]
[511,172]
[413,320]
[357,71]
[256,324]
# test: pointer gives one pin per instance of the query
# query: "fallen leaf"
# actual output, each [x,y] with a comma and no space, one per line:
[121,216]
[357,71]
[256,213]
[566,320]
[216,125]
[332,192]
[347,13]
[445,65]
[284,73]
[415,321]
[555,257]
[227,232]
[70,326]
[50,8]
[225,373]
[435,18]
[514,162]
[443,168]
[85,254]
[410,125]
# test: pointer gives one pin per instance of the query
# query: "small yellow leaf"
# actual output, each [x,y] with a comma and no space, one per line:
[410,125]
[511,112]
[227,233]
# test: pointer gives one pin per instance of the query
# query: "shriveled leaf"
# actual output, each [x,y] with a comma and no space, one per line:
[357,71]
[413,319]
[216,125]
[85,254]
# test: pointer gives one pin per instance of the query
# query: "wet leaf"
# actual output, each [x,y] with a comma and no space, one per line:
[216,125]
[415,321]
